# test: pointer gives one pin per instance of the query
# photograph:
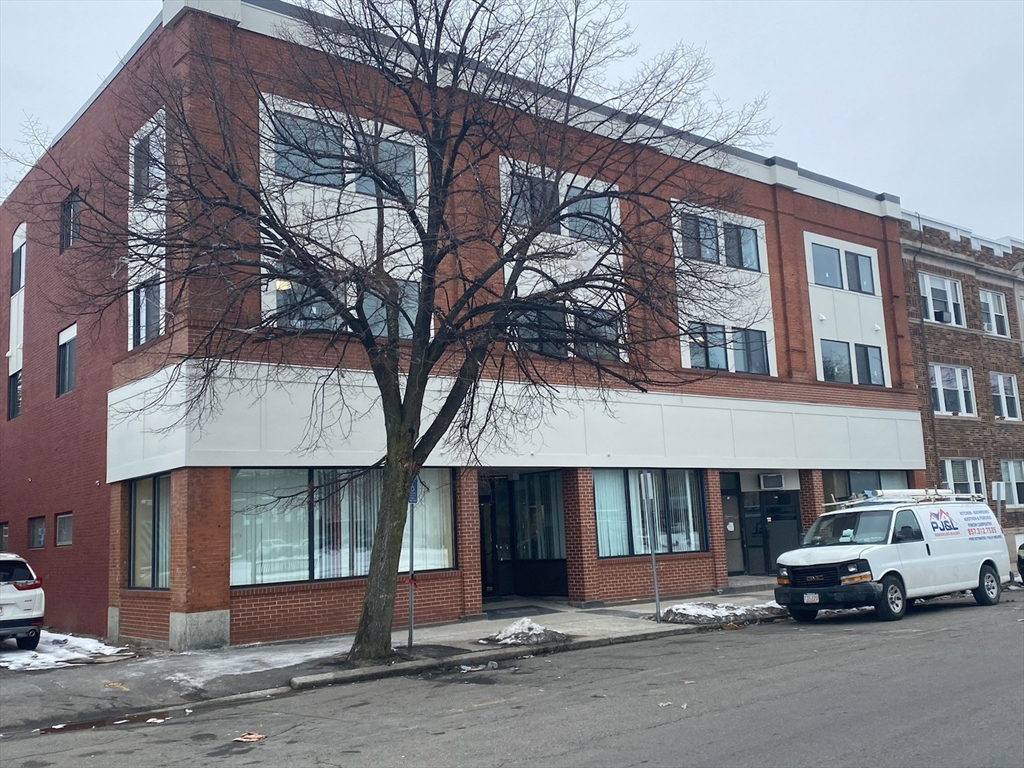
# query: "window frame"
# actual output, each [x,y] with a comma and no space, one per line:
[157,533]
[592,348]
[57,520]
[5,536]
[142,166]
[293,162]
[37,532]
[974,469]
[18,268]
[954,298]
[993,298]
[552,346]
[858,259]
[1015,481]
[698,238]
[141,304]
[815,247]
[581,221]
[528,203]
[935,377]
[70,220]
[704,330]
[739,236]
[741,342]
[67,359]
[374,143]
[867,349]
[408,301]
[825,369]
[14,387]
[1000,397]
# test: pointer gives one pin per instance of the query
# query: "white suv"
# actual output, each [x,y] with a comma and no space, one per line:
[21,602]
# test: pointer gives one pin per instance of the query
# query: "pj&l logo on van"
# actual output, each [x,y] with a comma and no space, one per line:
[942,524]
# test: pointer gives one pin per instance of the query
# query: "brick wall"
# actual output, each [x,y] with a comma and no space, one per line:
[812,497]
[145,613]
[200,539]
[580,522]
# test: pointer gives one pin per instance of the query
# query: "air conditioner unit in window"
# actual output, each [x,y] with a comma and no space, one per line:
[770,482]
[989,328]
[944,317]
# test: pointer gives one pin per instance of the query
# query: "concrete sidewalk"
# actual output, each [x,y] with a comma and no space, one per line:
[172,684]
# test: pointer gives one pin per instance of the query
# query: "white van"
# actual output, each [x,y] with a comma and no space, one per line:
[889,549]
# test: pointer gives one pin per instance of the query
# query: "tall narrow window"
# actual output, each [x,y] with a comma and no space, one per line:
[14,395]
[707,346]
[1005,399]
[835,361]
[4,537]
[142,167]
[741,247]
[36,532]
[150,535]
[869,365]
[18,269]
[750,351]
[66,344]
[70,223]
[952,389]
[993,313]
[63,523]
[859,274]
[699,238]
[147,310]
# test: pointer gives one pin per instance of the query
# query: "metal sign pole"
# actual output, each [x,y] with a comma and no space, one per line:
[413,494]
[646,497]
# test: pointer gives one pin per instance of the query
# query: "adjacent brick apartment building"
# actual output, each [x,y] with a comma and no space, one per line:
[144,524]
[966,302]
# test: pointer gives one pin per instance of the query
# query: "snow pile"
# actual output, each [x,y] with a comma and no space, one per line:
[712,614]
[526,632]
[56,650]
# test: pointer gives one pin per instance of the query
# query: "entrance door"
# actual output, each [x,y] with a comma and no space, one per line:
[781,511]
[496,568]
[733,533]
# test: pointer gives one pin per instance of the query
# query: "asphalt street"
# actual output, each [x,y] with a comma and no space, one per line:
[943,687]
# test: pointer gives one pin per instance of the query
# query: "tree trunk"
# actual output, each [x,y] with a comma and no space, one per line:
[373,637]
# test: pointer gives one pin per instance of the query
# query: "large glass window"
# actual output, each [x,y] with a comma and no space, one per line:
[149,533]
[301,524]
[1013,476]
[542,330]
[699,238]
[597,334]
[707,346]
[827,270]
[1005,399]
[859,274]
[625,501]
[952,390]
[750,351]
[940,299]
[308,150]
[993,313]
[376,310]
[395,164]
[869,365]
[835,361]
[589,218]
[741,247]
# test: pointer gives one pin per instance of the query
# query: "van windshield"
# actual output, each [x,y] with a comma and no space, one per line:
[869,526]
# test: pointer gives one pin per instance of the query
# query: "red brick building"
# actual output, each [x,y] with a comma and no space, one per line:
[145,524]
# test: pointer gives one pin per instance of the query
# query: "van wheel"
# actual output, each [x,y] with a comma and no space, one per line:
[893,602]
[803,615]
[989,589]
[28,643]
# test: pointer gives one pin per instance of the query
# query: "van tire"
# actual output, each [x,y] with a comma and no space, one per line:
[989,589]
[803,615]
[28,643]
[892,604]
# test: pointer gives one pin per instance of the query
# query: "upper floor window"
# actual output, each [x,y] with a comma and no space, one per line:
[941,299]
[395,165]
[707,346]
[14,395]
[952,391]
[993,313]
[146,311]
[835,361]
[70,220]
[66,343]
[750,351]
[699,237]
[828,269]
[63,526]
[869,365]
[535,201]
[1005,398]
[18,260]
[308,150]
[531,201]
[741,247]
[376,310]
[144,166]
[542,330]
[597,334]
[587,217]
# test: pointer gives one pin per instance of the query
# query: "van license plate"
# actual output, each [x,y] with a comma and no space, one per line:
[811,597]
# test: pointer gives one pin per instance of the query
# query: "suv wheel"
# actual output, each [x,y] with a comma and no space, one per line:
[988,590]
[28,643]
[893,602]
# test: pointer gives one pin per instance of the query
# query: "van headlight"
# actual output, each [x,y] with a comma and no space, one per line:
[855,571]
[783,576]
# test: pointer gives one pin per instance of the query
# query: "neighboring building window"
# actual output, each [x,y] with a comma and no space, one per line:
[835,361]
[707,346]
[14,395]
[963,475]
[149,545]
[543,331]
[625,501]
[869,365]
[940,299]
[699,238]
[993,313]
[308,150]
[301,308]
[390,159]
[143,167]
[36,532]
[827,269]
[741,247]
[303,524]
[1005,398]
[376,310]
[4,537]
[750,351]
[147,310]
[63,525]
[532,200]
[597,334]
[952,391]
[859,274]
[588,218]
[17,269]
[66,344]
[1013,476]
[70,220]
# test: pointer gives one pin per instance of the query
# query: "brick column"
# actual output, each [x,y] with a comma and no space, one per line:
[117,555]
[716,526]
[919,478]
[467,527]
[580,519]
[200,558]
[812,497]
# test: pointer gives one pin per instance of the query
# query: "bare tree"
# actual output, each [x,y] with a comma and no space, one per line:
[447,194]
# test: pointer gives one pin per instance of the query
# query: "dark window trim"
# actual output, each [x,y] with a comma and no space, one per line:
[155,557]
[737,231]
[15,385]
[67,364]
[70,220]
[17,273]
[881,363]
[706,346]
[32,520]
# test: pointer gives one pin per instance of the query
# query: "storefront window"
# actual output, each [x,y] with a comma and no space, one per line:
[150,534]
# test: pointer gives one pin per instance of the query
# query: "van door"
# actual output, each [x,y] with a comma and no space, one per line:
[914,553]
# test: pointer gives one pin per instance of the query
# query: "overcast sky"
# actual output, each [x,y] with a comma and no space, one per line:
[921,99]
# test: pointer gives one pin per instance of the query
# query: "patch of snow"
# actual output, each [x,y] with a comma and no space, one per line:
[526,632]
[715,613]
[55,650]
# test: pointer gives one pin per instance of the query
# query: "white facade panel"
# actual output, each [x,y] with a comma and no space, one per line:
[260,424]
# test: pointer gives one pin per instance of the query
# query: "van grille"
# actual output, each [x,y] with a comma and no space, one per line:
[815,576]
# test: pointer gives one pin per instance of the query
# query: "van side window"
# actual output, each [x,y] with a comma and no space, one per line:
[906,528]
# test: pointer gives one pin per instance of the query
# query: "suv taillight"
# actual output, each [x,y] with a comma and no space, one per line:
[23,585]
